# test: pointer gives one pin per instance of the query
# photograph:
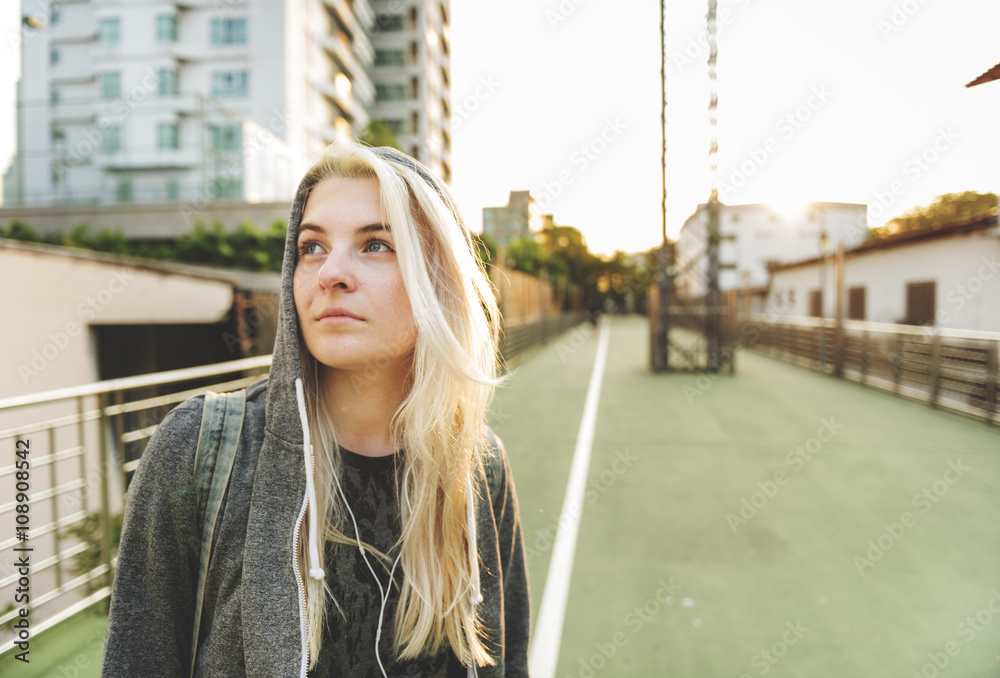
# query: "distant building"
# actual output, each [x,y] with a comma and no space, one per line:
[757,236]
[945,277]
[412,76]
[182,103]
[511,222]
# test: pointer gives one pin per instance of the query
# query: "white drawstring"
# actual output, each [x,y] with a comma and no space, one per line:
[315,571]
[477,595]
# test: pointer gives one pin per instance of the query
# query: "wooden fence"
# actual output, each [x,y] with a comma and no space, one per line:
[951,369]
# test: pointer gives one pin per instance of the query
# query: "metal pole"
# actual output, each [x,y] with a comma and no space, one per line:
[661,355]
[712,324]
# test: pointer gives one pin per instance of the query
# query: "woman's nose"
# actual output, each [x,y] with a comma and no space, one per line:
[337,271]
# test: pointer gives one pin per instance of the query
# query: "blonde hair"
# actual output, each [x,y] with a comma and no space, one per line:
[440,421]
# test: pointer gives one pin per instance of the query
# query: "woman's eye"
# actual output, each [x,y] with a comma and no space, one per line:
[311,247]
[376,245]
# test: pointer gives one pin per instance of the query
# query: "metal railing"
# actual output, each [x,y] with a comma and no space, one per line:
[83,443]
[80,445]
[947,368]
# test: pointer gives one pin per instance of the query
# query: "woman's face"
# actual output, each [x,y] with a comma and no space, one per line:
[352,307]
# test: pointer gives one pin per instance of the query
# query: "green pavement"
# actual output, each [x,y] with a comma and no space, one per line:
[778,522]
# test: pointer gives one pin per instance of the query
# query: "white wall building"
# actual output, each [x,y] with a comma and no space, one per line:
[757,236]
[948,277]
[207,101]
[412,75]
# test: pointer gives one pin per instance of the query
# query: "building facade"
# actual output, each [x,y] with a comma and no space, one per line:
[946,277]
[506,224]
[756,237]
[197,102]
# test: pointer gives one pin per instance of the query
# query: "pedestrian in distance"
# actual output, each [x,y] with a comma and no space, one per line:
[370,525]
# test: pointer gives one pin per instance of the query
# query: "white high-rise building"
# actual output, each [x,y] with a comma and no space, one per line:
[215,100]
[412,75]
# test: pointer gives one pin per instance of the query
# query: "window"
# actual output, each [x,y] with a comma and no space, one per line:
[54,56]
[111,139]
[228,188]
[413,18]
[229,31]
[173,189]
[414,52]
[856,303]
[58,135]
[226,137]
[815,303]
[390,57]
[166,28]
[109,85]
[108,32]
[166,82]
[390,92]
[920,307]
[390,22]
[415,87]
[396,126]
[124,192]
[415,152]
[229,84]
[54,97]
[415,122]
[55,17]
[167,135]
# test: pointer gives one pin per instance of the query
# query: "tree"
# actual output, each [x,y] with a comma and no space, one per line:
[946,209]
[378,133]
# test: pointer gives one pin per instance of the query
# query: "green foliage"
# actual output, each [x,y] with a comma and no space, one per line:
[946,209]
[89,531]
[377,133]
[245,248]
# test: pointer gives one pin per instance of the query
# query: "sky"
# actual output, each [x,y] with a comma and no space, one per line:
[857,101]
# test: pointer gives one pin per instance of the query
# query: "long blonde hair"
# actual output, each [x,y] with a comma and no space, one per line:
[439,424]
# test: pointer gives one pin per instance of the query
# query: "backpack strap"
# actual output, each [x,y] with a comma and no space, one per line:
[218,440]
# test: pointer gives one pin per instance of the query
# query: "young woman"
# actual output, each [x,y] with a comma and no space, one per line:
[370,526]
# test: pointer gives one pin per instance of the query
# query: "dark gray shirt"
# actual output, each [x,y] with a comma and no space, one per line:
[349,645]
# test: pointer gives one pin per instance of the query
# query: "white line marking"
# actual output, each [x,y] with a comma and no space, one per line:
[548,630]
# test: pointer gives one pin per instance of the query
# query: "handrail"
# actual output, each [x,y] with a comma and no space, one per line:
[126,383]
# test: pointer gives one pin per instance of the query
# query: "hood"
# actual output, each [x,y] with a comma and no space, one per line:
[285,408]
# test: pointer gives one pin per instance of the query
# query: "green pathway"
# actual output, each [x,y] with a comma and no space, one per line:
[779,522]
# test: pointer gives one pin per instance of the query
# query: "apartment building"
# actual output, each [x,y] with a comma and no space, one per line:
[203,101]
[412,77]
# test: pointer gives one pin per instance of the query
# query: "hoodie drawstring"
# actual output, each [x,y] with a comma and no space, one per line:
[315,571]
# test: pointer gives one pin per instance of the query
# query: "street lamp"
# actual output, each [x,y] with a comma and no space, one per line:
[823,242]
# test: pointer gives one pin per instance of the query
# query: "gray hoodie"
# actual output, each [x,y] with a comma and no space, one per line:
[251,623]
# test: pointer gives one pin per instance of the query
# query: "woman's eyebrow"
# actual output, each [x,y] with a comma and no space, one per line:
[370,228]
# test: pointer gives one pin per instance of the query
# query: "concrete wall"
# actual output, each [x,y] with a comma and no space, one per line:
[53,300]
